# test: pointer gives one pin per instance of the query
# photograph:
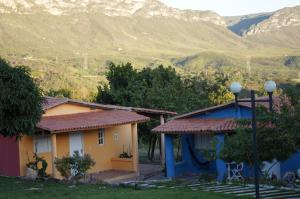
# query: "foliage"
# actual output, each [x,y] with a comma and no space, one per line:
[63,166]
[277,136]
[63,92]
[75,166]
[125,155]
[160,88]
[292,61]
[293,91]
[39,164]
[20,101]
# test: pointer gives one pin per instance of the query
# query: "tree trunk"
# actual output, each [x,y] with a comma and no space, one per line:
[153,147]
[149,148]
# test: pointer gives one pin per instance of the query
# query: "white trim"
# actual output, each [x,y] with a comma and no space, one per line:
[81,142]
[42,144]
[101,137]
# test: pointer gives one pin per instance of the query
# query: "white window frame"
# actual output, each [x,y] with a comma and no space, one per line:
[42,144]
[116,136]
[101,136]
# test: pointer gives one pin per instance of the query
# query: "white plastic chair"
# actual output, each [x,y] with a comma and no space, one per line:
[234,171]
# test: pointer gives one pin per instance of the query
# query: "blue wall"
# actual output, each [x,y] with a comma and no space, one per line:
[292,164]
[188,163]
[227,112]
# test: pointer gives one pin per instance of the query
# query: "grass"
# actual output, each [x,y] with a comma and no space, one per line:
[17,188]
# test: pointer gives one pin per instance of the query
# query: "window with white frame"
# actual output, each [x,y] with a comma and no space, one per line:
[42,143]
[203,141]
[101,136]
[116,137]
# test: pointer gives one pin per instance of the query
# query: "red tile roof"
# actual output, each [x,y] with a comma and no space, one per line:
[89,120]
[51,102]
[196,125]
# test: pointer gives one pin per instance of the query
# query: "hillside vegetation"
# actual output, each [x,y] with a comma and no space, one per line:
[69,45]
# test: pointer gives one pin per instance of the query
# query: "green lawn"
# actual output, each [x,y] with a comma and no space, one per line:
[16,188]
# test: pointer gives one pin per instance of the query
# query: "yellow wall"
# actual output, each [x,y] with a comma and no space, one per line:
[102,154]
[63,147]
[48,157]
[122,164]
[68,109]
[25,152]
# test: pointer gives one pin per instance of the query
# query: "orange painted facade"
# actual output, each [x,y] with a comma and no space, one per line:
[65,109]
[116,140]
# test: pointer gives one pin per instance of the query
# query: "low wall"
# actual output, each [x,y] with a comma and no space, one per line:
[122,164]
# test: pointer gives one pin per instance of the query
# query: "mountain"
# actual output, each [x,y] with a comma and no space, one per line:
[114,8]
[67,43]
[279,20]
[241,24]
[280,29]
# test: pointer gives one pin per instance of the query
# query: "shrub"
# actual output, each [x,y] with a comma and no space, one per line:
[63,166]
[75,166]
[39,164]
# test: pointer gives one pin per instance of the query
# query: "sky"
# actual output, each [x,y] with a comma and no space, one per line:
[232,7]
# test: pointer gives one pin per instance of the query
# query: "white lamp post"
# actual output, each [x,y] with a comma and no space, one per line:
[270,87]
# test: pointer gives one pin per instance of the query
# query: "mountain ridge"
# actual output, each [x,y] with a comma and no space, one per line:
[70,47]
[123,8]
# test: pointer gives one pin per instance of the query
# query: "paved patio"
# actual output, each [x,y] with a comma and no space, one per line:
[267,192]
[147,171]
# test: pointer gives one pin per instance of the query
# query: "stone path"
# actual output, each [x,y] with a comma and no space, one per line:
[267,192]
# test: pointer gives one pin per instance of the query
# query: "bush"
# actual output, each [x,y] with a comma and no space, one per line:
[75,166]
[39,164]
[63,166]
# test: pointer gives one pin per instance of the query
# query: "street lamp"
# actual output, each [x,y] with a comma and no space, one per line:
[270,87]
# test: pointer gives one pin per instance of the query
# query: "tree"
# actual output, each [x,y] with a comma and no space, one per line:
[277,136]
[20,101]
[63,92]
[159,88]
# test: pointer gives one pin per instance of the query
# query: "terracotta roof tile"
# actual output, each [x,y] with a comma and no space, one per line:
[89,120]
[196,125]
[51,102]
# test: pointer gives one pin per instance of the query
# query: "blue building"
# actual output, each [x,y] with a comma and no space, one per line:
[197,130]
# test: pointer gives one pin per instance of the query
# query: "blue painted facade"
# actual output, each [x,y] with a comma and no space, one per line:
[193,161]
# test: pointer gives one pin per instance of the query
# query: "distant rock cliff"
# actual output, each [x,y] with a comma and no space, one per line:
[144,8]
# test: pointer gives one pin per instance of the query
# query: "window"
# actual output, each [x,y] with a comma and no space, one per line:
[116,137]
[101,136]
[42,144]
[203,141]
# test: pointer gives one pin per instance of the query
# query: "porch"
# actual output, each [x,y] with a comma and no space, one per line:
[109,137]
[196,136]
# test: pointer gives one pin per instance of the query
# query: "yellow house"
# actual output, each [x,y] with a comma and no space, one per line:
[103,131]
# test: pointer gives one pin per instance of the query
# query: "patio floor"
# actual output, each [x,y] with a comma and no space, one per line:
[110,176]
[116,176]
